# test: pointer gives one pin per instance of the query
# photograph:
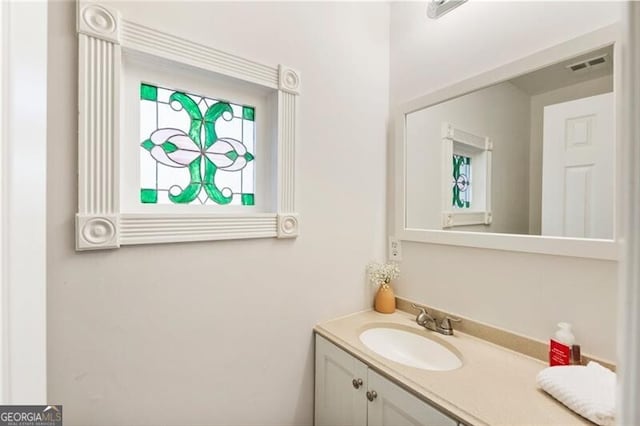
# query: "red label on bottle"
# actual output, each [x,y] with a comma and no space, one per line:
[559,353]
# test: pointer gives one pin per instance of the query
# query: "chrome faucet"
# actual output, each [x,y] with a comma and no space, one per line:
[430,323]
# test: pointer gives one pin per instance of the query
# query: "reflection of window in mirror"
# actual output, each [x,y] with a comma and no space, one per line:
[466,171]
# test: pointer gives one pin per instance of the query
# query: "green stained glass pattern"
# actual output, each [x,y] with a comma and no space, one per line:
[195,149]
[248,113]
[147,145]
[148,92]
[247,199]
[461,187]
[149,196]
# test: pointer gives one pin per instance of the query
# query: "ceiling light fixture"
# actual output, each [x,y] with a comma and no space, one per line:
[437,8]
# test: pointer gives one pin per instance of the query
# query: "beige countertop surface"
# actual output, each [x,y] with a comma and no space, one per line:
[494,386]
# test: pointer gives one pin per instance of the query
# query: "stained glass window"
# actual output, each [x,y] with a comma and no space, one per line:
[461,188]
[195,149]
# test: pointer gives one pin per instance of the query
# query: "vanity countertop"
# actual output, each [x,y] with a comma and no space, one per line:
[494,386]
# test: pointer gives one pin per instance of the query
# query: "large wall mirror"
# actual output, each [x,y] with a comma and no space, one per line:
[526,151]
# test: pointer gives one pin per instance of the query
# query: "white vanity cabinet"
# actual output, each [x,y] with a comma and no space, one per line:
[341,387]
[347,392]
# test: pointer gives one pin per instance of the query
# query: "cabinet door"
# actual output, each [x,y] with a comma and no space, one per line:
[338,402]
[393,406]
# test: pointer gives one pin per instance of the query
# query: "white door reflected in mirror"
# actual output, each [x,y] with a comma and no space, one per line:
[578,168]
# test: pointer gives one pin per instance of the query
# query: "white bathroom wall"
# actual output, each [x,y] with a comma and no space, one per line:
[500,112]
[220,333]
[585,89]
[524,293]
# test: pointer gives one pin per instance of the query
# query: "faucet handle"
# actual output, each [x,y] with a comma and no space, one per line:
[423,316]
[421,308]
[446,322]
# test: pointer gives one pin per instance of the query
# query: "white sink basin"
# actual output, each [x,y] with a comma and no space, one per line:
[410,349]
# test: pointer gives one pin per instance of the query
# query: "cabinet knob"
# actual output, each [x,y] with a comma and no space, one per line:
[371,395]
[356,383]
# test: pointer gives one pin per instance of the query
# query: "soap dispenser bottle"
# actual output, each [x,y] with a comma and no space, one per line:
[560,345]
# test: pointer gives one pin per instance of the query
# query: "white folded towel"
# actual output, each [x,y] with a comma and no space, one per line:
[589,391]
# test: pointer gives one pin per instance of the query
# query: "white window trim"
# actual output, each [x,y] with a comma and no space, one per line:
[100,224]
[451,217]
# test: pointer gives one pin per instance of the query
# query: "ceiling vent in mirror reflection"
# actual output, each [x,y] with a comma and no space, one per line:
[588,64]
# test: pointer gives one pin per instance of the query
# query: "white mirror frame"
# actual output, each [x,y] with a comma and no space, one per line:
[103,36]
[563,246]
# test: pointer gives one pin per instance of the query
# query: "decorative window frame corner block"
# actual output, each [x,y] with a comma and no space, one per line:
[104,34]
[478,148]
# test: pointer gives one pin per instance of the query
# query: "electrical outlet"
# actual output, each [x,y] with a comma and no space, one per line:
[395,249]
